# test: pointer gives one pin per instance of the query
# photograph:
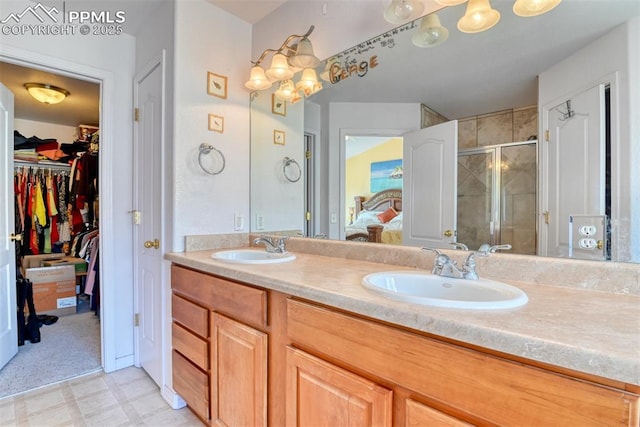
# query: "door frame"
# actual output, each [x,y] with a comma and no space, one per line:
[106,80]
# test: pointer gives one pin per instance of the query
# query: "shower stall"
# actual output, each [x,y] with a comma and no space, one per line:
[497,196]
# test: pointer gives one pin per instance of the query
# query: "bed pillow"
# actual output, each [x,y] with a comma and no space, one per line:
[387,215]
[366,218]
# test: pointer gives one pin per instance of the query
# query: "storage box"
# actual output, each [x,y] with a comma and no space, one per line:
[54,289]
[79,263]
[33,261]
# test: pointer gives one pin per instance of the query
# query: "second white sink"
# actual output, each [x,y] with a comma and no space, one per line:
[439,291]
[252,256]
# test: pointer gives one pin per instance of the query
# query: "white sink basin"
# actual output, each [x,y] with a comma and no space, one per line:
[433,290]
[252,256]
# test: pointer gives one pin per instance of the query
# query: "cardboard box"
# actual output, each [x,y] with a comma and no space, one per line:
[79,263]
[33,261]
[54,289]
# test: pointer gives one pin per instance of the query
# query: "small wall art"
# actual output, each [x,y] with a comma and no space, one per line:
[216,123]
[217,85]
[278,137]
[278,106]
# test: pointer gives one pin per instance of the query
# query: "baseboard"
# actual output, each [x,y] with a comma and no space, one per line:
[124,362]
[172,398]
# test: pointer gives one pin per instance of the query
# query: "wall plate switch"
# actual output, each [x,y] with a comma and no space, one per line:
[334,218]
[259,222]
[238,222]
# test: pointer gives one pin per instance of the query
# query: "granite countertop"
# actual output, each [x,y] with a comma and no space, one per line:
[588,331]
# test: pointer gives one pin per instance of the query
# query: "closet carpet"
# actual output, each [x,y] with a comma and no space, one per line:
[68,348]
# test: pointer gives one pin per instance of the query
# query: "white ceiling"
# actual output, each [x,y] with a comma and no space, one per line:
[467,75]
[80,107]
[250,11]
[473,74]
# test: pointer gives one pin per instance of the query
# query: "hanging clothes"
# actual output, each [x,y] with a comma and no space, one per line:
[38,203]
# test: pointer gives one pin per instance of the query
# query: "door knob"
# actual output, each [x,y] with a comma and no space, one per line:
[149,244]
[448,233]
[15,237]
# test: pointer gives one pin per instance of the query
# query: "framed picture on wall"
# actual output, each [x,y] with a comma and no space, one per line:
[216,123]
[217,85]
[278,137]
[278,106]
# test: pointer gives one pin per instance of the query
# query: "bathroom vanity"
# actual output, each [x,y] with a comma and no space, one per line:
[303,343]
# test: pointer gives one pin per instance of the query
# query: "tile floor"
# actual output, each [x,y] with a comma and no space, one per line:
[127,397]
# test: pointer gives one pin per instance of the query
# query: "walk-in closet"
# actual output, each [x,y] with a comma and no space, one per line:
[57,224]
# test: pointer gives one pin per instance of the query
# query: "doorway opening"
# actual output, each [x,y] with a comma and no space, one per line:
[57,213]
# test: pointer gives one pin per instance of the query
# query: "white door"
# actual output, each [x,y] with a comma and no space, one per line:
[8,321]
[575,166]
[148,142]
[430,164]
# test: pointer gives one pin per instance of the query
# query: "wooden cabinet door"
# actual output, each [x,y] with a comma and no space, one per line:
[320,394]
[419,414]
[238,373]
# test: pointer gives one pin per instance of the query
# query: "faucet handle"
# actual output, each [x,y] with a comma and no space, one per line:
[485,249]
[459,245]
[434,250]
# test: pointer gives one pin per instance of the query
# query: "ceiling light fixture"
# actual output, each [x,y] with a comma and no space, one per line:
[528,8]
[399,11]
[478,17]
[431,33]
[286,60]
[47,94]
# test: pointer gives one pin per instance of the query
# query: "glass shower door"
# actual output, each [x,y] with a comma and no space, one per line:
[476,197]
[497,196]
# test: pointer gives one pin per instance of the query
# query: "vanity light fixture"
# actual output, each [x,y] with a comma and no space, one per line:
[478,17]
[288,59]
[431,33]
[528,8]
[45,93]
[309,83]
[399,11]
[286,90]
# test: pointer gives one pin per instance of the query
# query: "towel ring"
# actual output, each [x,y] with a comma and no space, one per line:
[206,149]
[286,162]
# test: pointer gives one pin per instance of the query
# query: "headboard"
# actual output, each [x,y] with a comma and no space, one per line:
[380,201]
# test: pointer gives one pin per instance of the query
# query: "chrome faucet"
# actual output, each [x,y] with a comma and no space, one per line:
[276,246]
[445,266]
[485,249]
[459,245]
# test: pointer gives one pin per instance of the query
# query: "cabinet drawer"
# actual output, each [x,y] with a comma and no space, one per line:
[418,414]
[243,303]
[496,390]
[190,315]
[191,346]
[191,384]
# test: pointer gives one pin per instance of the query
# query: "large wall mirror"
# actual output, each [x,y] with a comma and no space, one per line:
[504,88]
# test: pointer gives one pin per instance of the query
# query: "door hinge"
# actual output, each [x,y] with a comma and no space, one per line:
[307,155]
[546,217]
[136,114]
[308,216]
[136,319]
[546,135]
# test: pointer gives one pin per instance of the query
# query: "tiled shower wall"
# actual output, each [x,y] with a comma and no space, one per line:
[515,125]
[517,173]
